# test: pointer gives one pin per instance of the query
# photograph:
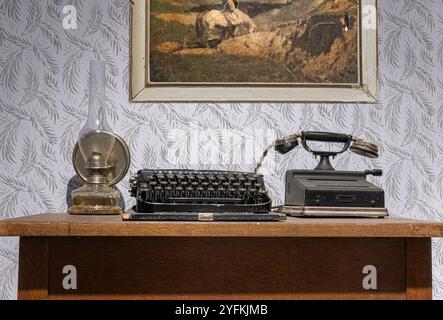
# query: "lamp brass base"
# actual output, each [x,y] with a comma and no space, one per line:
[95,210]
[95,199]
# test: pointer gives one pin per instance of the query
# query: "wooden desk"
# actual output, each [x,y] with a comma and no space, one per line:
[296,259]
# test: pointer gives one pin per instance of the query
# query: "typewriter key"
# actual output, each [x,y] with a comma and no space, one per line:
[200,192]
[231,178]
[189,192]
[143,187]
[158,194]
[179,192]
[168,193]
[164,183]
[242,192]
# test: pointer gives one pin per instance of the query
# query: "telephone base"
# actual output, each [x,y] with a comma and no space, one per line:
[329,188]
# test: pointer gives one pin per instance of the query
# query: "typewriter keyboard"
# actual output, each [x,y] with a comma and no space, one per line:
[199,191]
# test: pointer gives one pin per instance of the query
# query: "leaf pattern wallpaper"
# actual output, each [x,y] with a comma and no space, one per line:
[44,99]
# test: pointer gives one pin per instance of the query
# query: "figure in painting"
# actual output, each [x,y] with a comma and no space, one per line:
[214,26]
[230,8]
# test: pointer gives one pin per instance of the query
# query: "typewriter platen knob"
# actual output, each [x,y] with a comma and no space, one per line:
[133,185]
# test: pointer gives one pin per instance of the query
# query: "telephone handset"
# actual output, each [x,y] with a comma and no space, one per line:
[356,145]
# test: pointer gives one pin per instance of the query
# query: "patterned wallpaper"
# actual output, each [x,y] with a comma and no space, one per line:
[43,104]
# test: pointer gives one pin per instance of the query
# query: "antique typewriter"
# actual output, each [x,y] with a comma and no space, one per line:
[200,195]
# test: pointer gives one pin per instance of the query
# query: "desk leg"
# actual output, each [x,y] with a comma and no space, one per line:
[33,268]
[418,269]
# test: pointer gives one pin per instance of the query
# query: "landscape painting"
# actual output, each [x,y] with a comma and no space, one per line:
[254,41]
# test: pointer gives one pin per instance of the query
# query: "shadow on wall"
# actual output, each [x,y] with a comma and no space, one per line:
[76,182]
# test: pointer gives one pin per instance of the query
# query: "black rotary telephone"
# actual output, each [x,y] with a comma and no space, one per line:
[325,192]
[356,145]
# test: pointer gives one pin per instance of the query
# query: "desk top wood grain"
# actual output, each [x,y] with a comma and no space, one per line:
[64,225]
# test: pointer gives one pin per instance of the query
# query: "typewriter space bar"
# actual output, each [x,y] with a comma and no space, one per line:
[205,200]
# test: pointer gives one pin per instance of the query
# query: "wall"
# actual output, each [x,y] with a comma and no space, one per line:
[43,104]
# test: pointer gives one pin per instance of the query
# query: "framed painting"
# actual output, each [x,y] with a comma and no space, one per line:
[254,51]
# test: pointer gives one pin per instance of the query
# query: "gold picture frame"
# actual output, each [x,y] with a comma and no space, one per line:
[365,91]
